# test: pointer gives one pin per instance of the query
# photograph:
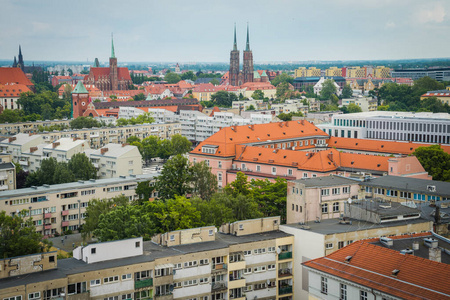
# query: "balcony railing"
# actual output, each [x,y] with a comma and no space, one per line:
[219,266]
[48,226]
[285,272]
[285,255]
[217,286]
[64,213]
[285,290]
[143,283]
[64,223]
[47,215]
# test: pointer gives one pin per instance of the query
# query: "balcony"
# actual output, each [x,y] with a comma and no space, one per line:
[64,223]
[284,255]
[48,226]
[47,215]
[218,286]
[65,213]
[143,283]
[3,187]
[285,290]
[238,265]
[219,266]
[285,272]
[236,283]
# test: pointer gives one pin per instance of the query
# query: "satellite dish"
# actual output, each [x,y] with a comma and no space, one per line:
[349,201]
[278,250]
[171,288]
[268,281]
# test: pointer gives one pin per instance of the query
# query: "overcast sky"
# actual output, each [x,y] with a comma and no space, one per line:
[202,31]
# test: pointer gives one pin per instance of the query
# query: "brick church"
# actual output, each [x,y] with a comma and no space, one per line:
[112,78]
[237,77]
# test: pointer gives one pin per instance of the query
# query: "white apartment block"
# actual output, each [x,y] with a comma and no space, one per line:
[19,143]
[61,207]
[245,104]
[365,103]
[290,106]
[163,115]
[127,112]
[389,125]
[7,173]
[115,160]
[319,85]
[63,149]
[198,127]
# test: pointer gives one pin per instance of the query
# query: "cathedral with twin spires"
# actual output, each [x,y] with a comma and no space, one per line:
[237,77]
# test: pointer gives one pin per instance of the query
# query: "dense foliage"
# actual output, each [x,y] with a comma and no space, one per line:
[435,161]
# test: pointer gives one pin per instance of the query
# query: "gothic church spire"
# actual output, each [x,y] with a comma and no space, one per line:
[235,43]
[112,47]
[247,48]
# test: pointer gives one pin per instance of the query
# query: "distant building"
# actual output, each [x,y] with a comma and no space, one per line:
[439,74]
[381,72]
[7,173]
[356,72]
[10,93]
[319,85]
[15,76]
[443,95]
[236,77]
[112,78]
[310,72]
[365,103]
[115,160]
[300,83]
[333,72]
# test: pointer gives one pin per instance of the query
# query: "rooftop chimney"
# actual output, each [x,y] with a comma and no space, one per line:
[103,150]
[11,139]
[33,149]
[55,144]
[435,254]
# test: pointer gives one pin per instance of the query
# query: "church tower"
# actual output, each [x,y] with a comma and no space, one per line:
[248,61]
[234,63]
[113,68]
[20,63]
[14,63]
[80,100]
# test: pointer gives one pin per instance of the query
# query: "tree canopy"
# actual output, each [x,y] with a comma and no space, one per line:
[328,89]
[223,98]
[172,77]
[353,108]
[84,122]
[347,91]
[283,77]
[435,161]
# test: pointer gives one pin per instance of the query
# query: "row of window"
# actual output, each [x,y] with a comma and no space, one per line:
[110,279]
[259,251]
[335,191]
[363,295]
[404,195]
[325,207]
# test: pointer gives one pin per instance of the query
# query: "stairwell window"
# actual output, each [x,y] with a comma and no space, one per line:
[325,208]
[324,285]
[362,295]
[343,292]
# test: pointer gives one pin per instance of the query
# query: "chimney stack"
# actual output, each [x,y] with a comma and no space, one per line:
[103,150]
[435,254]
[11,139]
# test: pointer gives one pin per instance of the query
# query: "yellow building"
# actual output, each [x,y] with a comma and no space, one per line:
[310,72]
[382,72]
[356,72]
[333,71]
[443,95]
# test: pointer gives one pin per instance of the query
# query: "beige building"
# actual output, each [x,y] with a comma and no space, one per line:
[60,207]
[29,127]
[381,72]
[196,263]
[333,71]
[117,160]
[356,72]
[310,72]
[7,173]
[19,143]
[365,103]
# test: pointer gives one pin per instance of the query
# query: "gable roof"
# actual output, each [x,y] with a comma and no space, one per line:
[14,75]
[13,90]
[418,278]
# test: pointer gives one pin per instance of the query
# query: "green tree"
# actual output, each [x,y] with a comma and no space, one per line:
[139,97]
[62,174]
[204,183]
[180,144]
[67,94]
[189,75]
[144,191]
[328,89]
[98,207]
[271,197]
[132,139]
[214,211]
[347,91]
[353,108]
[223,98]
[82,167]
[435,161]
[215,81]
[240,186]
[285,117]
[258,95]
[165,149]
[18,235]
[11,116]
[84,122]
[175,178]
[282,91]
[425,84]
[283,77]
[150,147]
[172,78]
[251,107]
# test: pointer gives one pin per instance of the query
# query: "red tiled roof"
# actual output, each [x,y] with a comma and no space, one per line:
[227,138]
[214,110]
[122,73]
[14,75]
[378,145]
[206,87]
[372,266]
[13,90]
[253,86]
[430,94]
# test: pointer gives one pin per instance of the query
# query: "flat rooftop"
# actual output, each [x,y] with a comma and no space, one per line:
[152,252]
[384,208]
[407,243]
[325,181]
[332,226]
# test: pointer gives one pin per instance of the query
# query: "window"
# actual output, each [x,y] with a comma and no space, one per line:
[137,244]
[219,164]
[13,298]
[93,250]
[177,266]
[274,170]
[204,261]
[35,295]
[305,175]
[336,191]
[345,190]
[247,252]
[290,172]
[325,192]
[271,267]
[258,168]
[247,270]
[189,264]
[324,285]
[325,208]
[271,249]
[126,276]
[362,295]
[329,245]
[76,288]
[343,292]
[219,176]
[95,282]
[259,269]
[111,279]
[335,206]
[172,237]
[340,244]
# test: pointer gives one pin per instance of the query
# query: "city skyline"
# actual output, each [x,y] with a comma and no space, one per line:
[203,31]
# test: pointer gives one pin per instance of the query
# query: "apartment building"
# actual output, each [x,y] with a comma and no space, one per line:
[385,125]
[29,127]
[114,160]
[7,173]
[355,72]
[395,270]
[19,143]
[316,199]
[439,74]
[310,72]
[320,238]
[197,126]
[403,189]
[245,104]
[293,105]
[333,71]
[163,115]
[365,103]
[129,112]
[99,137]
[197,263]
[381,72]
[60,207]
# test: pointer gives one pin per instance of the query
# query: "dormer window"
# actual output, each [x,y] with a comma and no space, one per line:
[210,149]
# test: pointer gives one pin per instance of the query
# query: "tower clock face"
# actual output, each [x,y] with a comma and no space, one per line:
[83,103]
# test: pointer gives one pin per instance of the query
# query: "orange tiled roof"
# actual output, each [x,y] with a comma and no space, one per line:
[13,90]
[14,75]
[378,145]
[227,138]
[206,87]
[253,86]
[214,110]
[372,266]
[184,85]
[122,73]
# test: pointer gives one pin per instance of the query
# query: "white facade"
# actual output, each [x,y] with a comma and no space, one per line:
[129,112]
[196,126]
[163,115]
[109,250]
[157,96]
[365,103]
[390,125]
[19,143]
[245,104]
[290,106]
[319,85]
[63,149]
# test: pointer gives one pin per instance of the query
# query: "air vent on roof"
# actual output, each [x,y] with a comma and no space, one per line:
[388,242]
[348,258]
[378,165]
[382,146]
[430,242]
[431,188]
[92,180]
[284,156]
[271,160]
[407,251]
[284,133]
[255,158]
[46,185]
[395,272]
[80,181]
[335,142]
[268,134]
[356,144]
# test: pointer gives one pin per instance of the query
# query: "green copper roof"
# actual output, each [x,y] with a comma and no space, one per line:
[263,73]
[112,47]
[80,89]
[256,75]
[247,48]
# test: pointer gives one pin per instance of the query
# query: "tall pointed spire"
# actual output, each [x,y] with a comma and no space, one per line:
[20,51]
[247,48]
[112,47]
[235,43]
